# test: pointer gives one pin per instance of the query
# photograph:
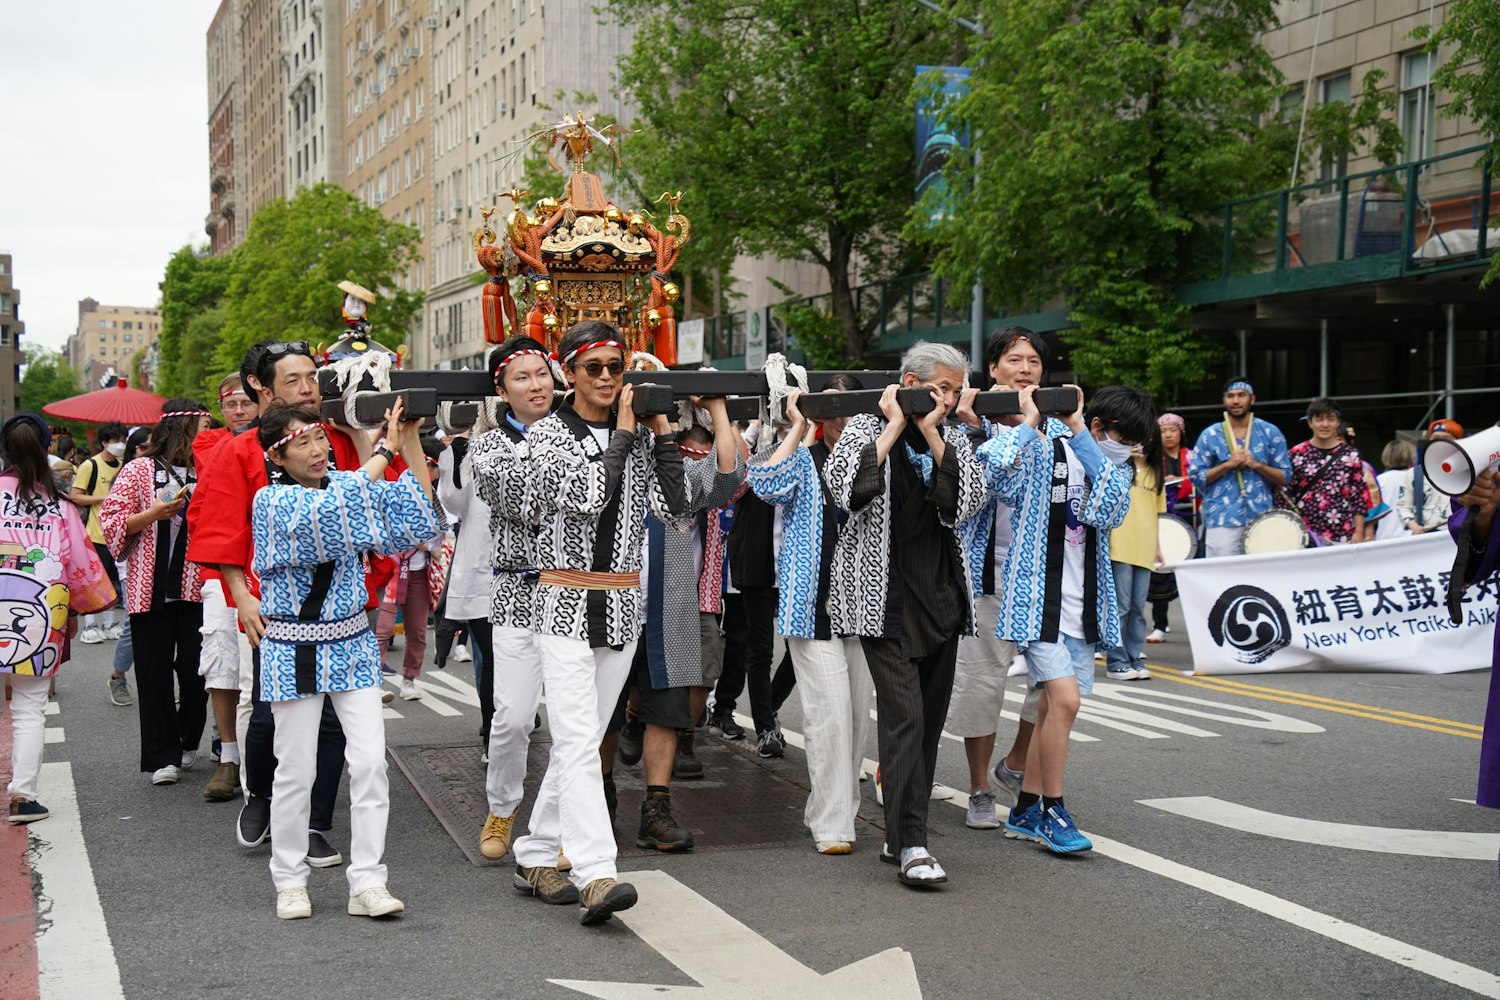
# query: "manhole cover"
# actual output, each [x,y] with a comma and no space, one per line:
[741,802]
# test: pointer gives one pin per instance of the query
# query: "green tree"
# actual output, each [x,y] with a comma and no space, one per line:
[1109,131]
[282,278]
[49,378]
[1471,28]
[191,321]
[789,125]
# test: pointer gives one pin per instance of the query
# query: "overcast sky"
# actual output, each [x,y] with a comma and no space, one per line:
[104,170]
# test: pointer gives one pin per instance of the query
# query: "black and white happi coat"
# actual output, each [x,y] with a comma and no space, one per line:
[680,663]
[497,460]
[590,505]
[859,586]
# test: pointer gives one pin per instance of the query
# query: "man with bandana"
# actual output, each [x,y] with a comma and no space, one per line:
[1238,465]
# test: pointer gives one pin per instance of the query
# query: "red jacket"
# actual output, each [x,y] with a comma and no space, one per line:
[219,516]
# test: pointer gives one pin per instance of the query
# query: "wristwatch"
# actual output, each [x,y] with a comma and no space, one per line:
[384,451]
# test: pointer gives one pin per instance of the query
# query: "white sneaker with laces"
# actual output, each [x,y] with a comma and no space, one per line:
[462,654]
[189,758]
[409,690]
[1156,635]
[165,775]
[113,631]
[93,635]
[375,902]
[293,903]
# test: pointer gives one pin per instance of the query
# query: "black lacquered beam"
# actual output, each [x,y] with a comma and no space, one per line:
[918,401]
[370,407]
[651,399]
[1057,402]
[701,383]
[450,386]
[463,414]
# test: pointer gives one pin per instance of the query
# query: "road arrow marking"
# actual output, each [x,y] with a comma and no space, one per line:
[730,961]
[1380,839]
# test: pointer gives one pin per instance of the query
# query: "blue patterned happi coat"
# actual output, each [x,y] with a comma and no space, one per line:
[1017,465]
[297,528]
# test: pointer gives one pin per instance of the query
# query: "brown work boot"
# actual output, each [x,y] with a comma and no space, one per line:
[604,897]
[547,884]
[224,785]
[659,827]
[494,839]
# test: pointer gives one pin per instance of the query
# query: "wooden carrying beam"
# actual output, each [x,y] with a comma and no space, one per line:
[918,401]
[370,407]
[450,386]
[702,383]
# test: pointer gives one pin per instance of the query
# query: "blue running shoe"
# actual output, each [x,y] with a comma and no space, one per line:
[1025,825]
[1061,836]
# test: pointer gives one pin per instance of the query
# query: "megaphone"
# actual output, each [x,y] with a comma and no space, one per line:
[1452,466]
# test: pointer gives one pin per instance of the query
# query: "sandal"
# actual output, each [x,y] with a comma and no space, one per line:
[922,861]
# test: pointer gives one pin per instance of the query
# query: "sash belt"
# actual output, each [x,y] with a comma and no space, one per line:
[299,633]
[581,579]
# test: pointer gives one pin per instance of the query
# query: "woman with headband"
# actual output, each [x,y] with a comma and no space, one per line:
[497,463]
[595,466]
[145,526]
[310,531]
[49,575]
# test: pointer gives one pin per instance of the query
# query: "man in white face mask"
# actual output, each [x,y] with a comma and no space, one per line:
[90,486]
[1068,484]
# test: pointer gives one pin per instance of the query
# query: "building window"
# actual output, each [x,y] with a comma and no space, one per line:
[1334,90]
[1289,105]
[1418,103]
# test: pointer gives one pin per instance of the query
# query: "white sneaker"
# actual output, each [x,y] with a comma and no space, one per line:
[1129,674]
[189,758]
[113,631]
[293,903]
[375,902]
[164,775]
[93,635]
[1156,635]
[462,654]
[409,690]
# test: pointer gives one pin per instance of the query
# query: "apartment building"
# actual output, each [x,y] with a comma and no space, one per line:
[312,59]
[11,330]
[387,129]
[262,88]
[498,68]
[225,129]
[108,337]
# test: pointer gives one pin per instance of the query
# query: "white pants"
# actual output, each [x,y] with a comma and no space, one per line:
[836,689]
[518,693]
[297,724]
[218,663]
[28,712]
[247,686]
[1224,542]
[583,686]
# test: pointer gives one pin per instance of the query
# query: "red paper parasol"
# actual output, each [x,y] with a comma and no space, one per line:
[118,403]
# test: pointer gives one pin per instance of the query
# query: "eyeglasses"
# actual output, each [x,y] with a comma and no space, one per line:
[595,368]
[281,347]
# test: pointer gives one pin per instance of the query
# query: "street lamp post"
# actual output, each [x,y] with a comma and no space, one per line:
[976,308]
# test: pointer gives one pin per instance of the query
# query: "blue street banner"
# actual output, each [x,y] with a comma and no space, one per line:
[936,140]
[1377,606]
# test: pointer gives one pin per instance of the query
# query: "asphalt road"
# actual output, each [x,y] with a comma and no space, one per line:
[189,914]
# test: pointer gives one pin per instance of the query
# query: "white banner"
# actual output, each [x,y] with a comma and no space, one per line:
[1378,606]
[690,342]
[755,342]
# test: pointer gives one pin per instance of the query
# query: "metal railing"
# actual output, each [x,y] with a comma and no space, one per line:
[1412,213]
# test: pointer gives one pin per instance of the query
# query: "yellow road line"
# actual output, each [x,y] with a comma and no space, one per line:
[1241,685]
[1375,714]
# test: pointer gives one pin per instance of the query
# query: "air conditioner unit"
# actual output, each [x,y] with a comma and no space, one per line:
[411,53]
[458,206]
[432,24]
[390,73]
[364,47]
[376,89]
[359,160]
[499,107]
[406,121]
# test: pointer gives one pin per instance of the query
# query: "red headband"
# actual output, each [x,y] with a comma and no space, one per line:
[238,390]
[698,452]
[523,352]
[589,347]
[187,413]
[293,436]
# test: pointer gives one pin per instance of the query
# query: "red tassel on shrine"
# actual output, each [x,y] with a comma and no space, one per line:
[492,309]
[666,339]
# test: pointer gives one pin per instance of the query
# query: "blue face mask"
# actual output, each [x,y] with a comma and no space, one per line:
[1117,452]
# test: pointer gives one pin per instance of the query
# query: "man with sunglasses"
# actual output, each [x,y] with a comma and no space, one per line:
[219,535]
[595,467]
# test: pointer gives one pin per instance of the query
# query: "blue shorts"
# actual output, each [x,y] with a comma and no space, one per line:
[1050,661]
